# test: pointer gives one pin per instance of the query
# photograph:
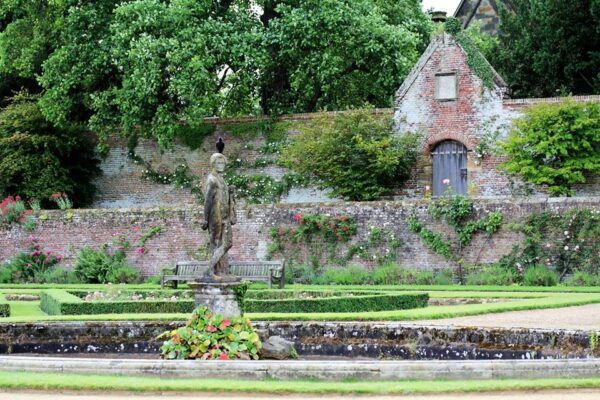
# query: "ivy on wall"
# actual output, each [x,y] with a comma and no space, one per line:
[458,212]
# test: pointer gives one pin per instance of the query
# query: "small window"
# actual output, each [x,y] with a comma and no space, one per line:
[446,87]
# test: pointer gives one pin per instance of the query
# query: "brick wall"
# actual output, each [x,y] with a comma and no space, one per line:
[182,236]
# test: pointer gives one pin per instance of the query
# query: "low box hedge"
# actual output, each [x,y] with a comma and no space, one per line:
[4,307]
[365,303]
[61,302]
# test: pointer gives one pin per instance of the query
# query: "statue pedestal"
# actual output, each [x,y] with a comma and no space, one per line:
[218,296]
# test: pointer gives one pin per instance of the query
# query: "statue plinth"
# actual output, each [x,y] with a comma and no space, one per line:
[217,293]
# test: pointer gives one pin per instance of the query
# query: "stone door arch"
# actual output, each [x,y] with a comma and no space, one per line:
[449,167]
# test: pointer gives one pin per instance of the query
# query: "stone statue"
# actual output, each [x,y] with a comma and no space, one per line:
[219,215]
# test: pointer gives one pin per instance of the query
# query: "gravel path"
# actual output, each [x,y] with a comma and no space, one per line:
[537,395]
[580,317]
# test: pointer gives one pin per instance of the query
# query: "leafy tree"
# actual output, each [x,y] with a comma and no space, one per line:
[550,47]
[145,65]
[37,160]
[29,32]
[335,54]
[555,145]
[354,153]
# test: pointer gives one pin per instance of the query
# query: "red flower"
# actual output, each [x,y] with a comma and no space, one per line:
[211,329]
[298,217]
[224,324]
[56,195]
[223,356]
[331,225]
[344,219]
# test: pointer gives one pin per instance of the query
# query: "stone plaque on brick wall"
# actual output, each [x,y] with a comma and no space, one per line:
[446,88]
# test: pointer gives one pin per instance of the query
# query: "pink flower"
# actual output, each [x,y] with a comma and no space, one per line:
[48,252]
[223,356]
[427,188]
[29,265]
[58,258]
[446,181]
[298,217]
[47,260]
[135,229]
[56,195]
[140,250]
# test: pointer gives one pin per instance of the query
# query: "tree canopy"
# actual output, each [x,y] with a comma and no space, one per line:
[550,47]
[146,65]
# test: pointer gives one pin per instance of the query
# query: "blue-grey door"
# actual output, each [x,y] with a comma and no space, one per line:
[449,168]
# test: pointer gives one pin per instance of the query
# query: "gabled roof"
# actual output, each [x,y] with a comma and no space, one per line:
[426,56]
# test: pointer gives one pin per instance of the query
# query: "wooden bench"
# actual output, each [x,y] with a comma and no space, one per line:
[261,271]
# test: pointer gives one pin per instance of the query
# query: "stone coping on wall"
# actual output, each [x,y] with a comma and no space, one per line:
[328,370]
[386,111]
[408,203]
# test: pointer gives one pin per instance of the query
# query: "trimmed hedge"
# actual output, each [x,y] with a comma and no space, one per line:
[366,303]
[4,307]
[275,294]
[61,302]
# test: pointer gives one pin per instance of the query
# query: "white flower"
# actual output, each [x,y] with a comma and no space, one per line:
[566,233]
[566,248]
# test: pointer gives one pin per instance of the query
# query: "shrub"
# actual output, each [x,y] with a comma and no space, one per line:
[124,275]
[539,275]
[566,241]
[4,307]
[443,277]
[58,275]
[211,336]
[555,145]
[582,278]
[492,275]
[94,266]
[30,266]
[355,154]
[338,302]
[386,274]
[153,280]
[62,302]
[351,275]
[12,210]
[303,273]
[38,160]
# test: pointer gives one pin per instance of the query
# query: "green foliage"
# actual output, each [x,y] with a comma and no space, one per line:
[30,266]
[582,278]
[62,302]
[471,42]
[95,266]
[123,275]
[555,145]
[351,275]
[208,336]
[565,241]
[433,241]
[550,48]
[12,210]
[355,154]
[540,275]
[492,275]
[316,62]
[38,160]
[318,302]
[456,212]
[4,307]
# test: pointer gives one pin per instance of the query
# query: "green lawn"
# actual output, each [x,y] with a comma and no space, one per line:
[533,298]
[49,381]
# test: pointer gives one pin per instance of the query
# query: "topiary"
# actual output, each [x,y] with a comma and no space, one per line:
[208,336]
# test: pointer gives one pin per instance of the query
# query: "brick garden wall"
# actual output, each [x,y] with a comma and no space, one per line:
[182,236]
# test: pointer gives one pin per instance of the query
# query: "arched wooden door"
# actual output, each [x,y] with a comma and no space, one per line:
[449,168]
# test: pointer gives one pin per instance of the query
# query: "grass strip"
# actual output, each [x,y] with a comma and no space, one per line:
[57,381]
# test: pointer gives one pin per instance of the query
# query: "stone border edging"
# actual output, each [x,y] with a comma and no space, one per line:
[311,369]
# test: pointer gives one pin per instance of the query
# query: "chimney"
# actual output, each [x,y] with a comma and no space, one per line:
[438,16]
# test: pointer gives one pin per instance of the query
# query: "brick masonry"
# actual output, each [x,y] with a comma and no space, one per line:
[182,236]
[476,111]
